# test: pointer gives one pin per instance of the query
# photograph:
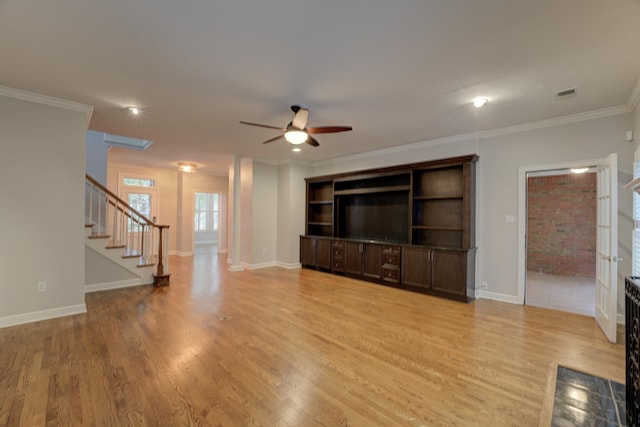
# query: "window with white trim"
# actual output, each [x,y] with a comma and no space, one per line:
[206,212]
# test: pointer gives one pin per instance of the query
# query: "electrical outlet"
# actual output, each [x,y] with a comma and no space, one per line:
[42,286]
[483,285]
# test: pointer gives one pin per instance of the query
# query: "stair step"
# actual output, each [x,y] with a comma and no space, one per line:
[145,265]
[88,225]
[100,236]
[115,246]
[131,254]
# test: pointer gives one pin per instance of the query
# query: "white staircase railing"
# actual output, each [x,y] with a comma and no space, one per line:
[111,216]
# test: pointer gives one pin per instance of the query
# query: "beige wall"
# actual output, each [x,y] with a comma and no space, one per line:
[291,211]
[264,215]
[42,167]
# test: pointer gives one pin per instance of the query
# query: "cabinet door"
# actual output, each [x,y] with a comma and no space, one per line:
[308,251]
[372,260]
[416,267]
[323,253]
[353,258]
[450,272]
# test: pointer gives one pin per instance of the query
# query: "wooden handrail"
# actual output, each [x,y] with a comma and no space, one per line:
[121,207]
[111,194]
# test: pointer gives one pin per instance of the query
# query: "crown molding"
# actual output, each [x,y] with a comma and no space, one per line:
[634,98]
[479,135]
[558,121]
[466,137]
[46,100]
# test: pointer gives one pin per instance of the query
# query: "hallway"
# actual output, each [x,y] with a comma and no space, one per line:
[565,293]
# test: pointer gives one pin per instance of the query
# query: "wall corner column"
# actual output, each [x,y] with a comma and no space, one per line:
[234,216]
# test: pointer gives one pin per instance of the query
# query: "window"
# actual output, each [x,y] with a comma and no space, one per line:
[141,202]
[206,212]
[138,182]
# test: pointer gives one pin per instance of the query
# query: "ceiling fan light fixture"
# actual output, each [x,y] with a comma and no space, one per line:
[480,101]
[296,136]
[186,167]
[134,110]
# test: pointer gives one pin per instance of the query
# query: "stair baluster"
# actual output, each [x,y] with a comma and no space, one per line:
[127,226]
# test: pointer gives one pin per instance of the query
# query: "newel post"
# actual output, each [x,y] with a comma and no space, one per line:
[160,278]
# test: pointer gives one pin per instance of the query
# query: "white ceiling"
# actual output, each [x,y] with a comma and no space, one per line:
[397,71]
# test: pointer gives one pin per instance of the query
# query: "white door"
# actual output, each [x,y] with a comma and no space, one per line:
[607,246]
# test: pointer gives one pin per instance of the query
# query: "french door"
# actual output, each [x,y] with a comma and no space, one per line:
[607,246]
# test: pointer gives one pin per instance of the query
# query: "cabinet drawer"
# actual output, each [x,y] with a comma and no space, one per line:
[338,253]
[391,275]
[391,259]
[391,249]
[337,265]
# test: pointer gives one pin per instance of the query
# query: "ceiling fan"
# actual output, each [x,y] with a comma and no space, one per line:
[297,131]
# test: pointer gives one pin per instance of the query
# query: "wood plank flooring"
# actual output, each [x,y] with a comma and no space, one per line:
[276,347]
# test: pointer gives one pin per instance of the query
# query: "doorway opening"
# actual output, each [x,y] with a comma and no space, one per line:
[561,240]
[206,223]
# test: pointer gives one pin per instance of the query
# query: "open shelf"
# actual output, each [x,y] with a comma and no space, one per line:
[457,196]
[439,213]
[442,182]
[320,192]
[375,182]
[368,190]
[426,227]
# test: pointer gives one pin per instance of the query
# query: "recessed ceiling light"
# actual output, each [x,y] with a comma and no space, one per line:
[134,110]
[480,101]
[187,167]
[296,150]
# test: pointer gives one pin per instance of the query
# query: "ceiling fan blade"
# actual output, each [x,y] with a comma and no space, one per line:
[262,126]
[273,139]
[312,141]
[329,129]
[300,119]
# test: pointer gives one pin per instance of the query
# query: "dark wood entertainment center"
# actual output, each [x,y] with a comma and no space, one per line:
[410,226]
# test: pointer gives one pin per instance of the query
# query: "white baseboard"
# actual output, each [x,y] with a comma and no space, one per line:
[111,285]
[259,265]
[36,316]
[289,266]
[247,266]
[182,253]
[512,299]
[621,319]
[235,268]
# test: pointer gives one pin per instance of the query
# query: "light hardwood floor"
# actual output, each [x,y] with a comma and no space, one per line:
[278,347]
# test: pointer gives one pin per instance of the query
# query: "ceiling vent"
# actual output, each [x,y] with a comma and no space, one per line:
[565,94]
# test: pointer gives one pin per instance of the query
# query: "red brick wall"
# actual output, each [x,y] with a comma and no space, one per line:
[562,225]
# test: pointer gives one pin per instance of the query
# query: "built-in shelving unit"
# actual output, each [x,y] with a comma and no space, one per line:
[319,208]
[410,226]
[440,214]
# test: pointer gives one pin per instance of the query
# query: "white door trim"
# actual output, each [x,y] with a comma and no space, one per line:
[522,212]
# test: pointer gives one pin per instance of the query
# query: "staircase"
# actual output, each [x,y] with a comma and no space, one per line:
[123,247]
